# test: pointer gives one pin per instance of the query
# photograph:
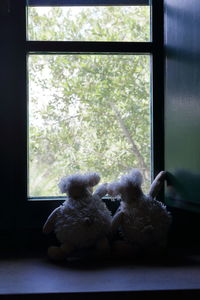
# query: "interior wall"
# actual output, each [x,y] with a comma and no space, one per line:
[182,103]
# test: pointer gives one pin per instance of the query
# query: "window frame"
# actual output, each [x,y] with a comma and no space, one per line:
[31,214]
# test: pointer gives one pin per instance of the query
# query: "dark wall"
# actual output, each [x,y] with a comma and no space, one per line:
[182,103]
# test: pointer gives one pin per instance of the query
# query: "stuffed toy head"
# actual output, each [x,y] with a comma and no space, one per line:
[129,187]
[78,185]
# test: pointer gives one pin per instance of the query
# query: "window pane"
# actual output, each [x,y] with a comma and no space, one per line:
[87,113]
[89,23]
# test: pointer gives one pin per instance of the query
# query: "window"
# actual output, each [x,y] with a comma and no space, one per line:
[37,97]
[87,112]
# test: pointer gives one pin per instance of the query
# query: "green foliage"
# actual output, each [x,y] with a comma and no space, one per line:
[109,23]
[87,112]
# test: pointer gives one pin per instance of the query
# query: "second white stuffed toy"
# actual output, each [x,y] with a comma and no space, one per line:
[142,220]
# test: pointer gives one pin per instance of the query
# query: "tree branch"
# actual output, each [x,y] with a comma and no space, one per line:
[141,162]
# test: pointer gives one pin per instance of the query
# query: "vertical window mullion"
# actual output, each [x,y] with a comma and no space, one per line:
[19,105]
[157,88]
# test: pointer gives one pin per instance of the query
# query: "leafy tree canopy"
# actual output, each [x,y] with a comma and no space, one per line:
[87,112]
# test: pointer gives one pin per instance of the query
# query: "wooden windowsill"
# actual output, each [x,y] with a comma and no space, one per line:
[37,275]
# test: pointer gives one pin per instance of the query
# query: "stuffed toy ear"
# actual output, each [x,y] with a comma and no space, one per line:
[92,179]
[63,185]
[157,184]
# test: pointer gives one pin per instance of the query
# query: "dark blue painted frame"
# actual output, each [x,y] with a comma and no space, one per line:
[85,2]
[29,215]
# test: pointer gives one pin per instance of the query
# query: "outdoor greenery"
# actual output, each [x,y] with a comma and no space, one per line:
[88,112]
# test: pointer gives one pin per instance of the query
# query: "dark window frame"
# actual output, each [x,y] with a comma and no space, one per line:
[31,214]
[86,2]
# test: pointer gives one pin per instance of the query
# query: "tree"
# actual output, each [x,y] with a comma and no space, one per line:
[88,112]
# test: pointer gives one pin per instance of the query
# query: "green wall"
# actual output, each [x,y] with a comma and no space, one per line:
[182,103]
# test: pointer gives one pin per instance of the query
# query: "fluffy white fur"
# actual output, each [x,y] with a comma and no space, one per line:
[82,222]
[78,182]
[142,220]
[83,219]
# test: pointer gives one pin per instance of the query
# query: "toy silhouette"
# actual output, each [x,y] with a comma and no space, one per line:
[141,220]
[83,220]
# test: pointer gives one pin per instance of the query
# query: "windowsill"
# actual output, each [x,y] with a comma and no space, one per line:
[37,275]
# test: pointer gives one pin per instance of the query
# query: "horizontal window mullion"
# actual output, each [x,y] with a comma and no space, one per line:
[58,198]
[49,47]
[86,2]
[48,198]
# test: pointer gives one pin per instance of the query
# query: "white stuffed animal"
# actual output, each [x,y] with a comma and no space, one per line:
[142,221]
[83,220]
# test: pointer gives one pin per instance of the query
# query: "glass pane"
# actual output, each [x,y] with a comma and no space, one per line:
[87,113]
[89,23]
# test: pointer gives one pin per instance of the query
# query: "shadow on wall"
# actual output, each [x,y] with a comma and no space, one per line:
[183,200]
[183,190]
